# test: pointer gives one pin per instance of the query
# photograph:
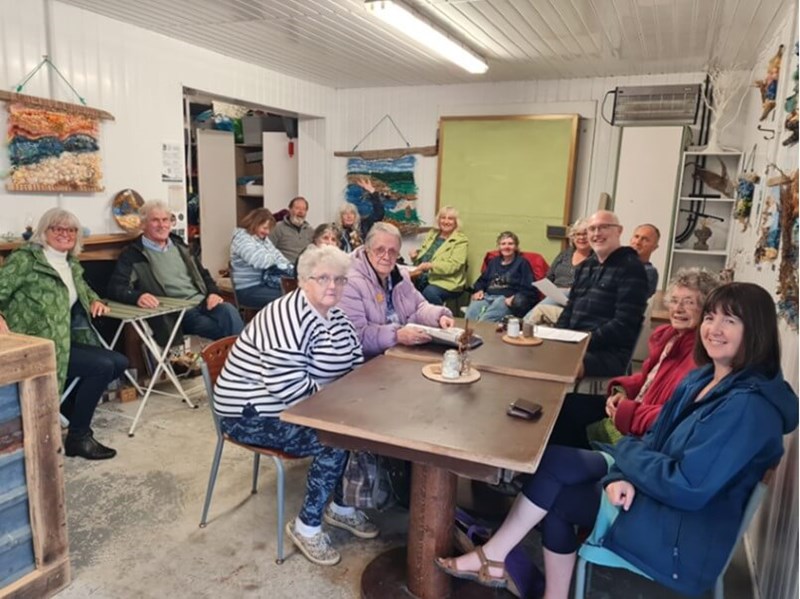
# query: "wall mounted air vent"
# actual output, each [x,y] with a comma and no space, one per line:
[656,105]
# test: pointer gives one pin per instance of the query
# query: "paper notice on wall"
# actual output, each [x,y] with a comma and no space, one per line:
[171,162]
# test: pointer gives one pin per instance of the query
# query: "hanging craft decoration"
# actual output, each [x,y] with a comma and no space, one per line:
[787,277]
[719,182]
[769,84]
[769,227]
[53,146]
[745,190]
[394,180]
[790,106]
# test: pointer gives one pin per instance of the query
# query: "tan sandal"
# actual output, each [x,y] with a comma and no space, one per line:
[482,576]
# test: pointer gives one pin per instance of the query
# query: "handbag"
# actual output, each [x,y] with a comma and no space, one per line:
[366,482]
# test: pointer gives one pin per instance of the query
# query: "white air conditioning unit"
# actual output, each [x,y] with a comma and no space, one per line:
[656,105]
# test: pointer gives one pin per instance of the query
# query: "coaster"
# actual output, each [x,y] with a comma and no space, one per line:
[530,341]
[434,373]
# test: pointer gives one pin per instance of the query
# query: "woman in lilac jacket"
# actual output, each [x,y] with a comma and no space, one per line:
[380,300]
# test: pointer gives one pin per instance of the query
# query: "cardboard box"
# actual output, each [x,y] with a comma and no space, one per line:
[127,394]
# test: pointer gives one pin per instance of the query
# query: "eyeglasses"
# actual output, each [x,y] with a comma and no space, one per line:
[601,228]
[64,230]
[390,253]
[580,233]
[325,280]
[685,302]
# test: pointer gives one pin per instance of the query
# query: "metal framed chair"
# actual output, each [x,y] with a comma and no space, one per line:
[604,557]
[213,359]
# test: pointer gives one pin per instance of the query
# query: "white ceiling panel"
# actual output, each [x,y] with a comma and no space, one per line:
[337,43]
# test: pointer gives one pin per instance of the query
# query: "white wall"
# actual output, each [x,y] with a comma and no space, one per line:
[138,76]
[416,110]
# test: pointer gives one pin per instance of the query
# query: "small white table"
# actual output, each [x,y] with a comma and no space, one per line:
[137,317]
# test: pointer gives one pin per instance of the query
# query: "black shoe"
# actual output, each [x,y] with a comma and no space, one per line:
[85,446]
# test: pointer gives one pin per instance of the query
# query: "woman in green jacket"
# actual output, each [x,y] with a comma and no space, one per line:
[43,294]
[441,261]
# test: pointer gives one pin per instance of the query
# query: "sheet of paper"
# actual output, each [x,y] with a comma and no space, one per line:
[559,334]
[550,291]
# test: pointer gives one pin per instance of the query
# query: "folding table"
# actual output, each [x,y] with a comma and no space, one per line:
[137,317]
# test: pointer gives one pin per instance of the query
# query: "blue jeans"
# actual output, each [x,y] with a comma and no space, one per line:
[257,296]
[325,473]
[567,486]
[222,321]
[96,367]
[438,296]
[491,308]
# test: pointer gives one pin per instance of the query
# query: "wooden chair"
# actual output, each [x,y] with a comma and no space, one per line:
[288,284]
[214,357]
[604,557]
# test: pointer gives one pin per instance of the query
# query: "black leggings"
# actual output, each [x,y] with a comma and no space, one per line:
[96,367]
[578,411]
[567,485]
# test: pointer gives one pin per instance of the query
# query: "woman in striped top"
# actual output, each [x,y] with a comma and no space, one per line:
[256,264]
[290,350]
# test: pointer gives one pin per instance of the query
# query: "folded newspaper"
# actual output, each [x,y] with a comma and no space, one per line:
[447,336]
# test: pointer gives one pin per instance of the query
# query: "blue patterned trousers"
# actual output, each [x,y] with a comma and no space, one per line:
[324,474]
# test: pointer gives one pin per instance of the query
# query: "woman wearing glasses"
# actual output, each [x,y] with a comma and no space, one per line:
[296,345]
[381,300]
[43,294]
[633,402]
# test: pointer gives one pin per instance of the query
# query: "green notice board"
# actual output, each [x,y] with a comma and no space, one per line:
[508,173]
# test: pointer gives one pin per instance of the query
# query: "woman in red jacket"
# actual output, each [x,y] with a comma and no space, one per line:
[633,402]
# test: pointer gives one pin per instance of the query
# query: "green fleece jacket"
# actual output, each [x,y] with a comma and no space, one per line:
[35,301]
[449,262]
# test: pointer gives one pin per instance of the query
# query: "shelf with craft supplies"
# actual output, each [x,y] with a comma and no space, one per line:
[704,210]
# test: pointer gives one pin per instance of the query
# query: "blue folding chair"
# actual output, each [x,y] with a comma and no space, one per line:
[214,356]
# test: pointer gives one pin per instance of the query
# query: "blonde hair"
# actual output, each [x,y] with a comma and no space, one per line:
[449,211]
[58,217]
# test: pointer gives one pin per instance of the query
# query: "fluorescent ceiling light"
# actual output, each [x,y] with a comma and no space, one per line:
[408,23]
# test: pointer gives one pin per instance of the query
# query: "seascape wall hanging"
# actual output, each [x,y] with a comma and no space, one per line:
[393,179]
[769,84]
[53,146]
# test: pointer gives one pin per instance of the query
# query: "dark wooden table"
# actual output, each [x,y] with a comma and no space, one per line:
[552,360]
[388,407]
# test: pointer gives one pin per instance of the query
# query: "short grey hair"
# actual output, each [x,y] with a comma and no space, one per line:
[696,279]
[449,211]
[56,217]
[346,208]
[578,225]
[151,206]
[383,227]
[314,256]
[613,217]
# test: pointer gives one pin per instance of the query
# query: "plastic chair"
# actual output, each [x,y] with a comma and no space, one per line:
[604,557]
[214,357]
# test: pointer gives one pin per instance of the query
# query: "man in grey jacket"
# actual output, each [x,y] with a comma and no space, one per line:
[293,234]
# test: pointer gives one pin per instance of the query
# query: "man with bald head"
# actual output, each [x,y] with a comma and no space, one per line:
[645,241]
[608,298]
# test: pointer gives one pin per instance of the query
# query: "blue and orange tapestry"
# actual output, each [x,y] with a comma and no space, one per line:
[52,150]
[393,178]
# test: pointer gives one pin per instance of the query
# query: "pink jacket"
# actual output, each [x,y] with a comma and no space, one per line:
[364,302]
[635,418]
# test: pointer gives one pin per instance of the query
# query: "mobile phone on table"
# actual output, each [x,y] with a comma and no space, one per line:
[525,409]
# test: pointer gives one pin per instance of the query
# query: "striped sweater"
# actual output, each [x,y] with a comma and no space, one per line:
[285,354]
[251,256]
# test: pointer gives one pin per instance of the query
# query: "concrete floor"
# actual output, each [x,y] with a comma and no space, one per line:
[133,521]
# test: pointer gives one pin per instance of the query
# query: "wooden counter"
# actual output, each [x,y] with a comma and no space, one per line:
[34,552]
[95,247]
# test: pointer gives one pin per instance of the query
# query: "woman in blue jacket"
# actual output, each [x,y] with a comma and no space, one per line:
[680,491]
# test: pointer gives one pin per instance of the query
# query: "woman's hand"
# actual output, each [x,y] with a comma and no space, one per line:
[98,308]
[413,254]
[412,336]
[3,326]
[509,300]
[425,266]
[365,184]
[478,295]
[612,403]
[445,321]
[621,493]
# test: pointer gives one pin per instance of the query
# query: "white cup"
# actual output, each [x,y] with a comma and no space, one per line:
[512,329]
[451,364]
